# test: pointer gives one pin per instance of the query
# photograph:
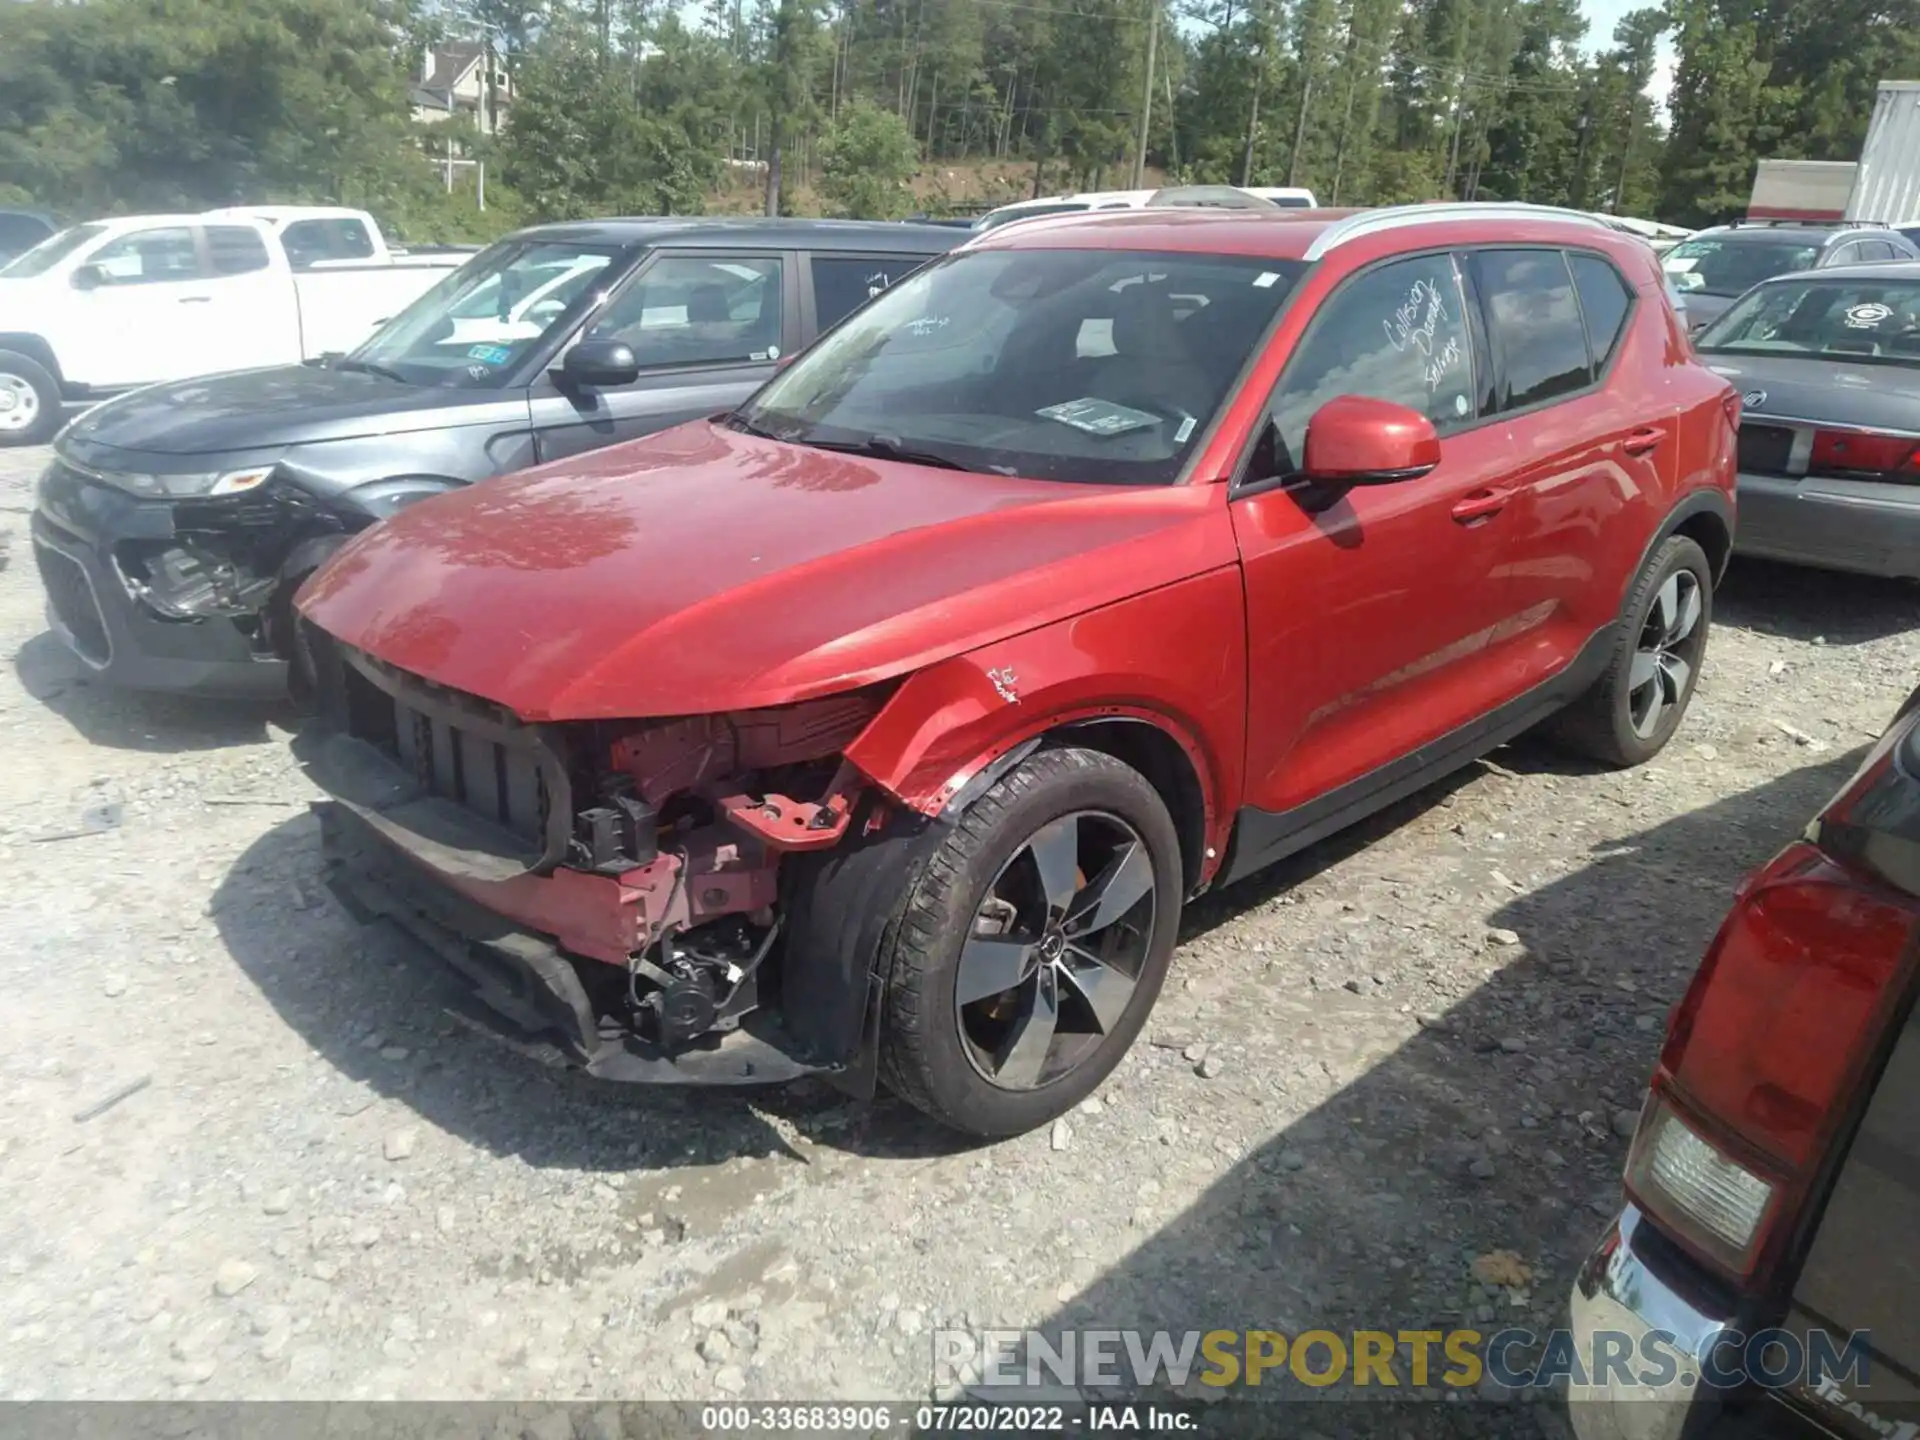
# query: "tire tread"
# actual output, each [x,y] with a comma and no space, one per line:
[912,940]
[1590,725]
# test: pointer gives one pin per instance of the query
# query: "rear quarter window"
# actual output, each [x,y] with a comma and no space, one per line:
[843,283]
[1533,314]
[236,250]
[1604,303]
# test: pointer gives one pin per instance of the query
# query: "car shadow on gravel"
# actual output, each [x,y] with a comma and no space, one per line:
[359,994]
[1796,603]
[1495,1129]
[132,720]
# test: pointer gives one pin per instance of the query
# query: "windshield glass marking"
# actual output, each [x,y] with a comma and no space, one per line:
[1097,366]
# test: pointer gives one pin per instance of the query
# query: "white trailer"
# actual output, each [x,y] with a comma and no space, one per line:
[1887,188]
[1808,190]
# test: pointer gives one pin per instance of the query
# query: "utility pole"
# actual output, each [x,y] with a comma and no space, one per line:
[489,122]
[1300,128]
[1459,124]
[1626,154]
[1253,116]
[1146,96]
[1585,123]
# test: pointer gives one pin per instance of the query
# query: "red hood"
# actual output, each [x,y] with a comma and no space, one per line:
[705,570]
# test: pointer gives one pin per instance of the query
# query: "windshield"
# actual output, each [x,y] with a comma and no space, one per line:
[1732,267]
[1102,366]
[51,251]
[483,319]
[1857,319]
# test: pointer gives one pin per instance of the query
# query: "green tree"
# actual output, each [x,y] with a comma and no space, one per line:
[867,163]
[127,105]
[576,145]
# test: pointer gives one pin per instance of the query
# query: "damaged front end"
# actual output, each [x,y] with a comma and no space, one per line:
[225,560]
[692,900]
[162,582]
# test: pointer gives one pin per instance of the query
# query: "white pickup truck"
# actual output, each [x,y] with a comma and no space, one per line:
[113,304]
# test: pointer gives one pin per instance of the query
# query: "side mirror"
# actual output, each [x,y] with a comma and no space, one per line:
[1356,440]
[90,277]
[600,363]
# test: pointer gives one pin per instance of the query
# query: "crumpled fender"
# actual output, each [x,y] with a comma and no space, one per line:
[1174,658]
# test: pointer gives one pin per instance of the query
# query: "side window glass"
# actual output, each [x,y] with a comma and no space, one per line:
[235,250]
[1399,333]
[148,257]
[1880,250]
[311,241]
[1604,302]
[843,283]
[698,310]
[1535,324]
[1843,255]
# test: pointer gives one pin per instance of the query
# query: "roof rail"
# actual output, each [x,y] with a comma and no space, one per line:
[1399,217]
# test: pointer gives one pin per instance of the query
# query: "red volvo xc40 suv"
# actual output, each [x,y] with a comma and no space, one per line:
[879,728]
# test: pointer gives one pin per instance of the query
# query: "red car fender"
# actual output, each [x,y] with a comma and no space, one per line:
[1173,658]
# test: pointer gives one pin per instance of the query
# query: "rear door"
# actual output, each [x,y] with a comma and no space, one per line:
[251,316]
[1582,358]
[708,327]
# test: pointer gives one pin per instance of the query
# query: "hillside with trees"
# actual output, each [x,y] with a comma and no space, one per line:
[883,107]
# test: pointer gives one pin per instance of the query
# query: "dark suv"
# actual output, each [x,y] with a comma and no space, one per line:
[176,522]
[1762,1281]
[1716,267]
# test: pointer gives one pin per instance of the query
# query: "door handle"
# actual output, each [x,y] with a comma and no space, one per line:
[1642,440]
[1479,505]
[196,299]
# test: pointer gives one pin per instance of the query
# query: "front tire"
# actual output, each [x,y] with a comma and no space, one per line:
[29,400]
[1630,714]
[1036,940]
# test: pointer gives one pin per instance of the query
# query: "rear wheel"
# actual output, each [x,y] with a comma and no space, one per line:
[1029,953]
[29,400]
[1634,708]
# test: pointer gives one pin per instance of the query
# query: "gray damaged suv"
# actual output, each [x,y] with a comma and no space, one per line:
[176,522]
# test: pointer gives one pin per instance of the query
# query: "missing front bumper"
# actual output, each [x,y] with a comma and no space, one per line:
[523,989]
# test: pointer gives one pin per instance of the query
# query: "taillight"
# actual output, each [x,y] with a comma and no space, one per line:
[1864,452]
[1763,1050]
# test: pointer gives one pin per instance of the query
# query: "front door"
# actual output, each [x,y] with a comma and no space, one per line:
[149,317]
[1369,611]
[707,328]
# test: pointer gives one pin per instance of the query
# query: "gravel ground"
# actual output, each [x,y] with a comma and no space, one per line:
[1416,1045]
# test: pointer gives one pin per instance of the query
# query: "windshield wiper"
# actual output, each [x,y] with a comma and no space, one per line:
[371,367]
[737,421]
[885,447]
